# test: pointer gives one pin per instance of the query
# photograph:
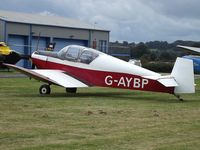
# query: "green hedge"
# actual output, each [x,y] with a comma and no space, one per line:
[165,67]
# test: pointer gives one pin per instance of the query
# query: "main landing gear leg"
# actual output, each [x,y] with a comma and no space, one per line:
[45,89]
[179,97]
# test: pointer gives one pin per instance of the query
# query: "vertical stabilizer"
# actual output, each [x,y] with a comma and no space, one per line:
[183,72]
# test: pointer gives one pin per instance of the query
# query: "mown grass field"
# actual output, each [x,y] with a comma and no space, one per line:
[96,118]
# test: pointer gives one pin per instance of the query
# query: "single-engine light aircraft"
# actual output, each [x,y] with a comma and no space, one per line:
[195,58]
[77,66]
[9,56]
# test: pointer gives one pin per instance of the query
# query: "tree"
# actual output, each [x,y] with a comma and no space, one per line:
[145,59]
[139,50]
[153,56]
[167,56]
[125,43]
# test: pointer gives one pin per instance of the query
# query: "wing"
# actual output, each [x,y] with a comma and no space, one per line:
[195,49]
[56,77]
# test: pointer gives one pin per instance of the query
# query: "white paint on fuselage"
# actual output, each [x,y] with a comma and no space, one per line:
[103,62]
[109,63]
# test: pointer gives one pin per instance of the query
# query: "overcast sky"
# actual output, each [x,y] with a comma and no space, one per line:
[128,20]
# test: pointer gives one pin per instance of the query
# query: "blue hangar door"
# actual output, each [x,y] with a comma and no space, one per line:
[36,44]
[61,43]
[18,43]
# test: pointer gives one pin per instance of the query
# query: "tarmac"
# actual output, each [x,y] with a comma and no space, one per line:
[18,75]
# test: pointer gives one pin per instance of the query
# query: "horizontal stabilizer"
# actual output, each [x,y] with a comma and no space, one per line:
[168,82]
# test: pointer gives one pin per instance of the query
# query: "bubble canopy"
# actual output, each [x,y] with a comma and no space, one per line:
[73,53]
[78,54]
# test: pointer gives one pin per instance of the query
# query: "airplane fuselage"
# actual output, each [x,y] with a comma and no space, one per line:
[77,66]
[104,71]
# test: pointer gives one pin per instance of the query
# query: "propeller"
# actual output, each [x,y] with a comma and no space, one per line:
[10,56]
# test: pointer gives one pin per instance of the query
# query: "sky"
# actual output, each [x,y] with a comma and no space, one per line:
[127,20]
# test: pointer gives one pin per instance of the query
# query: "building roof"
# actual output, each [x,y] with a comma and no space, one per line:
[38,19]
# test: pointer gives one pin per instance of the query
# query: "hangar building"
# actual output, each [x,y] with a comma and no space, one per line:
[21,32]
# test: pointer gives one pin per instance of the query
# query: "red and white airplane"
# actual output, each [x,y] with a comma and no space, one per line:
[77,66]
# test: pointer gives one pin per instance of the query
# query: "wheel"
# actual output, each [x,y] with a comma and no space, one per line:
[45,89]
[71,90]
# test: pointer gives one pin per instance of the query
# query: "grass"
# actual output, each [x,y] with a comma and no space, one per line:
[95,118]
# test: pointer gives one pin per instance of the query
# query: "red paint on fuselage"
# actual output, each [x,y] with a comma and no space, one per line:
[105,78]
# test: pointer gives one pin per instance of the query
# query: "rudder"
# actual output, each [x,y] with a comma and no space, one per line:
[183,72]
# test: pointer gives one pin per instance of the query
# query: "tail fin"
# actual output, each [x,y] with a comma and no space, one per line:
[183,72]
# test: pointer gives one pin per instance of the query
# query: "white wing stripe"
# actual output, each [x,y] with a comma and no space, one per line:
[61,78]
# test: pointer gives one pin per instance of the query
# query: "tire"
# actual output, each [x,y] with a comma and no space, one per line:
[45,89]
[71,90]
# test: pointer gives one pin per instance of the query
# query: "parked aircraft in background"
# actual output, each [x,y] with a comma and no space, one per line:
[195,58]
[9,56]
[77,66]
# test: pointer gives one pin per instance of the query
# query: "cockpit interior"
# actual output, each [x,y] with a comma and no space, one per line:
[74,53]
